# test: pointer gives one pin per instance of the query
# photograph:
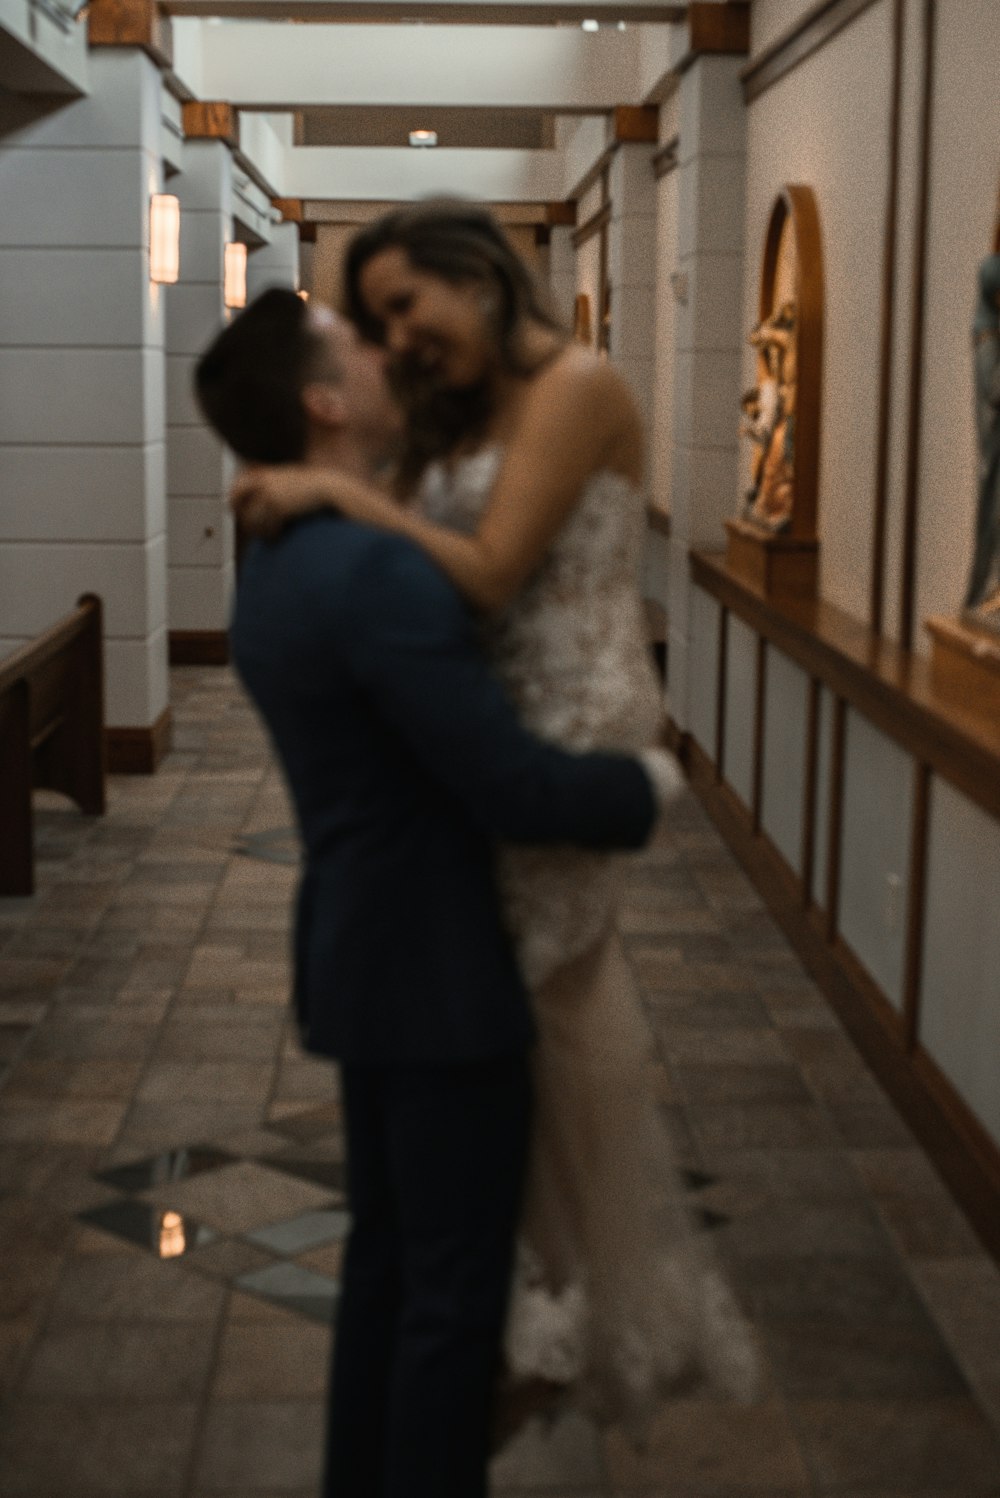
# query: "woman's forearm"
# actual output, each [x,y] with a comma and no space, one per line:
[466,560]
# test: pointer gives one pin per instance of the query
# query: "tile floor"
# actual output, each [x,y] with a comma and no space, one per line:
[171,1211]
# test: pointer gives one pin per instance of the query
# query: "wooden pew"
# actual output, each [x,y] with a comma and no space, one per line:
[51,732]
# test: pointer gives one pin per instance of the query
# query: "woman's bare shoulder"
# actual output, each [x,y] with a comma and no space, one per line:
[580,379]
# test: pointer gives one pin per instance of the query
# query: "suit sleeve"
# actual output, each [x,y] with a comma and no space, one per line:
[410,643]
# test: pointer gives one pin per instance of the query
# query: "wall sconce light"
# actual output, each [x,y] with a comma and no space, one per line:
[164,238]
[235,284]
[423,138]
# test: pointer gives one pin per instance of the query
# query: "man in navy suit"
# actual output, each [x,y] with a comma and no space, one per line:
[406,764]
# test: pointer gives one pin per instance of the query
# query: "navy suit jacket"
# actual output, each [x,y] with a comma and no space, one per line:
[406,763]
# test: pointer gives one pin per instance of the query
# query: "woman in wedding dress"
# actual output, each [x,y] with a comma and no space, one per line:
[522,473]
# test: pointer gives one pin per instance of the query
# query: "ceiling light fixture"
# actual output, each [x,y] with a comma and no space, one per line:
[164,238]
[235,281]
[423,138]
[590,25]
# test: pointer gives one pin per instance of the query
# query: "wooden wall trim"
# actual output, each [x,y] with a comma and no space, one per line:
[888,325]
[911,516]
[835,821]
[291,209]
[198,647]
[809,793]
[636,124]
[593,225]
[667,158]
[658,519]
[131,23]
[885,683]
[721,695]
[138,751]
[719,30]
[809,33]
[915,903]
[214,120]
[967,1158]
[759,711]
[594,173]
[560,214]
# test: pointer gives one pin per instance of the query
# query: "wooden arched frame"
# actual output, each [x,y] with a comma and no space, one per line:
[797,204]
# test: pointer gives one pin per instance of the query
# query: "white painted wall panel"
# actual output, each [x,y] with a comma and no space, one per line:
[39,583]
[71,197]
[770,19]
[82,493]
[741,686]
[181,404]
[200,597]
[786,710]
[77,298]
[194,315]
[960,1004]
[201,533]
[136,683]
[875,848]
[121,109]
[197,463]
[78,396]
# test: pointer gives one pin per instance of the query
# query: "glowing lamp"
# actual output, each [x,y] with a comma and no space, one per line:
[235,285]
[423,138]
[164,238]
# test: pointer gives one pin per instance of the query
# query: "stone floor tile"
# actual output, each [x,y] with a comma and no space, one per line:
[76,1447]
[74,1036]
[196,1081]
[914,1201]
[710,1447]
[760,1125]
[241,1197]
[73,1079]
[256,1359]
[17,1334]
[227,1258]
[964,1297]
[698,1046]
[824,1359]
[731,1083]
[909,1444]
[118,1362]
[786,1228]
[60,1120]
[194,1038]
[562,1456]
[151,1126]
[245,1309]
[254,1445]
[135,1287]
[850,1291]
[327,1259]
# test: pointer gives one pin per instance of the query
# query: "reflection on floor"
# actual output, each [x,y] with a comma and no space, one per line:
[171,1179]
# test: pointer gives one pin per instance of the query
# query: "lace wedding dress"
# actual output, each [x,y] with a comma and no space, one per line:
[615,1294]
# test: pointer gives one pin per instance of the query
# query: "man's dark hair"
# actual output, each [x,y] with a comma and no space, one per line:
[249,381]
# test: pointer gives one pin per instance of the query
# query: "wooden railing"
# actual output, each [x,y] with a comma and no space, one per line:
[51,732]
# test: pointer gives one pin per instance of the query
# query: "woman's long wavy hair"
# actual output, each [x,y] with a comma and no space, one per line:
[461,243]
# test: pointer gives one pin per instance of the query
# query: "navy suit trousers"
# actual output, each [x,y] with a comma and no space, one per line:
[436,1164]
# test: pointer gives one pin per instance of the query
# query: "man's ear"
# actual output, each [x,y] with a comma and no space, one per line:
[324,404]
